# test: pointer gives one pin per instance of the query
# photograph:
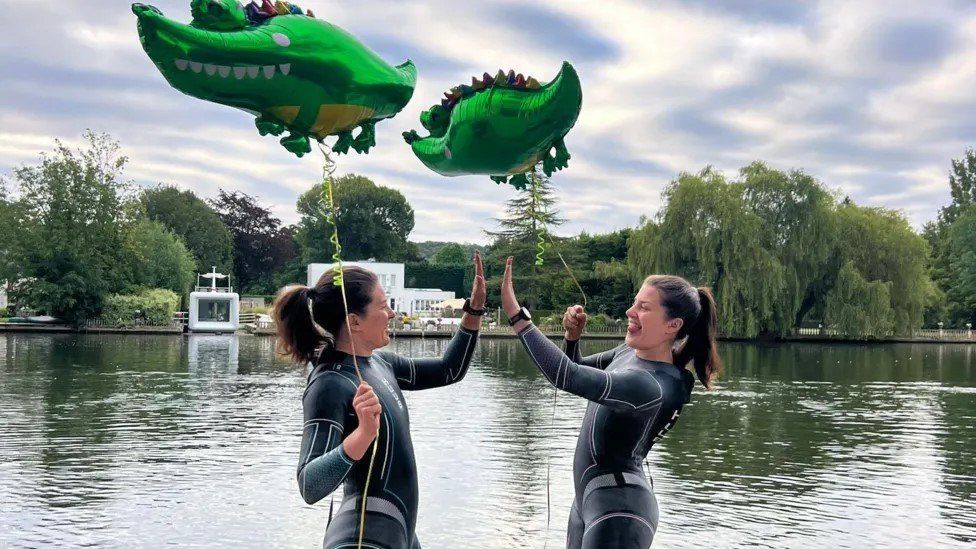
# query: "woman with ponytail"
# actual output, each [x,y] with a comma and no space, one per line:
[344,415]
[635,394]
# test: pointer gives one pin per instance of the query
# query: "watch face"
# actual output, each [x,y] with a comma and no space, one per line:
[525,312]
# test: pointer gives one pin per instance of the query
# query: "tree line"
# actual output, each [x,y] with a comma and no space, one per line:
[780,249]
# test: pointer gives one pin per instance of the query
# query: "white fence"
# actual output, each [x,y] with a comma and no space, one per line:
[943,335]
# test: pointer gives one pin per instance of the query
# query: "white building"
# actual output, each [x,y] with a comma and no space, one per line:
[410,301]
[3,295]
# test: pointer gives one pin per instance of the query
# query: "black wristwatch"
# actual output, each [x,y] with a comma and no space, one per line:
[522,314]
[470,310]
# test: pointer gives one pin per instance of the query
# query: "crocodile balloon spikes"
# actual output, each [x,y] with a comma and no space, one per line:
[501,126]
[293,72]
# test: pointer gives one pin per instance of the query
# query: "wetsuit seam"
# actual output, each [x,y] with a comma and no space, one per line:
[614,515]
[466,357]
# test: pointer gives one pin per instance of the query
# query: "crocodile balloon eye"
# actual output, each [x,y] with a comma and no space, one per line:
[281,39]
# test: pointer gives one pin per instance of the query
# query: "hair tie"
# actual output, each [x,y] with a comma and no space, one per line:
[311,316]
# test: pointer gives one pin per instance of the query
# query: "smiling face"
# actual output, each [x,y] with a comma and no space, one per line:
[370,329]
[648,325]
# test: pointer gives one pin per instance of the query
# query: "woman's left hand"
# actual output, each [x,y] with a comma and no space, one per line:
[478,294]
[509,302]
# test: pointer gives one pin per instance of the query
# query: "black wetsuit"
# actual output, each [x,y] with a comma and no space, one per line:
[633,403]
[391,509]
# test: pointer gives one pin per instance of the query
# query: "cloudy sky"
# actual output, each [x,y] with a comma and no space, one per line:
[873,98]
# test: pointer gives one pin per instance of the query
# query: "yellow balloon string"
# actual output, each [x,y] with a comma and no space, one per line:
[540,244]
[328,207]
[540,247]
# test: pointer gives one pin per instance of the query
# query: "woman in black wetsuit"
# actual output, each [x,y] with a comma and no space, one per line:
[343,416]
[636,392]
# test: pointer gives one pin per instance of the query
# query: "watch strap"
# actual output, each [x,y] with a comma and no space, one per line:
[471,310]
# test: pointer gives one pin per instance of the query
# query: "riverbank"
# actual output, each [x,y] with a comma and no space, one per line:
[928,336]
[69,329]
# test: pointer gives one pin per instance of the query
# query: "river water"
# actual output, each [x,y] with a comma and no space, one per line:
[131,440]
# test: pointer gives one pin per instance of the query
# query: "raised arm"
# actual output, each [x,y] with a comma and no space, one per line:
[414,374]
[624,389]
[628,389]
[327,455]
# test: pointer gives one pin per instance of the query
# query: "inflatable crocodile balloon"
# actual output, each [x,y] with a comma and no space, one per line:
[292,71]
[501,126]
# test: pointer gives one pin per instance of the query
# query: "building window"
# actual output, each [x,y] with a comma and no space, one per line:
[211,310]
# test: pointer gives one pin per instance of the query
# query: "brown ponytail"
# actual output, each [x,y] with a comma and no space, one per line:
[308,320]
[701,347]
[696,307]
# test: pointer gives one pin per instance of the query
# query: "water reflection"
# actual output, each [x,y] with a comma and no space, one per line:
[115,440]
[212,354]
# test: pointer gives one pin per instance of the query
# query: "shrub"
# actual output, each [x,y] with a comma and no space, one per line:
[554,320]
[600,320]
[155,305]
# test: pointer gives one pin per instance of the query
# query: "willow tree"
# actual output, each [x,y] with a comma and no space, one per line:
[708,233]
[856,307]
[799,215]
[775,247]
[883,247]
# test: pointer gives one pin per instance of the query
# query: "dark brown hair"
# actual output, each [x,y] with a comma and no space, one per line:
[298,336]
[696,308]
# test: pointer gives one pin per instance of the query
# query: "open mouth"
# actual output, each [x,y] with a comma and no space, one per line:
[239,71]
[633,327]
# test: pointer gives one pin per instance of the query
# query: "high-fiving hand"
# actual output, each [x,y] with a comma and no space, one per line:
[478,292]
[478,295]
[510,303]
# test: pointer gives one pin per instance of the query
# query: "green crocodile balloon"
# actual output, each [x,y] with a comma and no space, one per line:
[293,72]
[501,126]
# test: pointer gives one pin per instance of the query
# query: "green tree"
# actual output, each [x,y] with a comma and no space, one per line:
[943,265]
[962,187]
[526,214]
[540,287]
[428,248]
[374,222]
[261,245]
[159,259]
[195,222]
[451,254]
[9,222]
[73,211]
[962,258]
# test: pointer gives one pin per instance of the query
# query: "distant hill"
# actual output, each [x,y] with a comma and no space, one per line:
[428,248]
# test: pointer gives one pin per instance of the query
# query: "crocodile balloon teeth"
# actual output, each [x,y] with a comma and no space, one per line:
[239,71]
